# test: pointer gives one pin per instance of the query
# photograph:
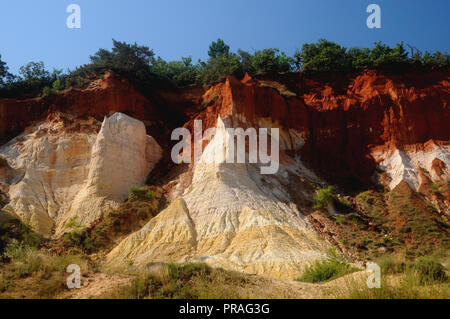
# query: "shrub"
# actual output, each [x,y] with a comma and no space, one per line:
[324,197]
[390,265]
[428,270]
[332,267]
[24,260]
[82,240]
[322,56]
[72,223]
[424,278]
[150,195]
[17,232]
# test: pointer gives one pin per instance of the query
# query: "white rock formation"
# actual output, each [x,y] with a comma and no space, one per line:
[233,217]
[406,165]
[59,174]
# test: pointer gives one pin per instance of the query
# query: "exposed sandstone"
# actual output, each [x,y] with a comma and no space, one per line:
[229,217]
[60,173]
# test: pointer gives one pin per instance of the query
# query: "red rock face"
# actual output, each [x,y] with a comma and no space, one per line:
[101,98]
[342,118]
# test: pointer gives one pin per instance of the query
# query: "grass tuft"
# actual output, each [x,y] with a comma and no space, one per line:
[332,267]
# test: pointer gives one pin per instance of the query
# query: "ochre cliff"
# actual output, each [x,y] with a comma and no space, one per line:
[355,131]
[341,120]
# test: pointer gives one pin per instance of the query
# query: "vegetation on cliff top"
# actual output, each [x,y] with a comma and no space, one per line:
[146,71]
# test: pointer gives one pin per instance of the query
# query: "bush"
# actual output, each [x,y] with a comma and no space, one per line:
[322,56]
[24,260]
[390,265]
[141,193]
[324,197]
[17,232]
[428,270]
[265,61]
[73,223]
[332,267]
[329,56]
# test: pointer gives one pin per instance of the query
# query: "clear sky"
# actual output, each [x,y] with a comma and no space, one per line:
[32,30]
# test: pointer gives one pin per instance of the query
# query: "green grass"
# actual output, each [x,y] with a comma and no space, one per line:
[183,281]
[36,274]
[15,231]
[421,279]
[326,196]
[73,223]
[332,267]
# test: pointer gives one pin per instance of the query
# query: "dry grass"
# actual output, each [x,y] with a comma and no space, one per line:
[187,281]
[281,88]
[30,273]
[423,279]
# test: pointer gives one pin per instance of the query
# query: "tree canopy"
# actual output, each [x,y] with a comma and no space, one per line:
[141,66]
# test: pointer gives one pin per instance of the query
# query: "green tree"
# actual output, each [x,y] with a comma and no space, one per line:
[124,56]
[265,61]
[5,76]
[221,63]
[360,58]
[384,56]
[322,56]
[217,49]
[34,72]
[181,73]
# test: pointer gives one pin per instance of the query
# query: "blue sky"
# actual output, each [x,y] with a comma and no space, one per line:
[33,30]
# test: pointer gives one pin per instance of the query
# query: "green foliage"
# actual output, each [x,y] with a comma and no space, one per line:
[322,56]
[428,270]
[73,223]
[136,192]
[80,239]
[329,56]
[265,61]
[324,197]
[40,274]
[14,231]
[147,72]
[217,49]
[332,267]
[218,67]
[34,71]
[31,81]
[142,205]
[25,259]
[5,76]
[181,73]
[423,278]
[150,195]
